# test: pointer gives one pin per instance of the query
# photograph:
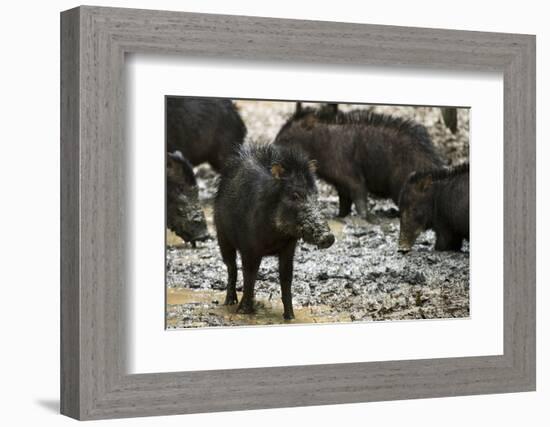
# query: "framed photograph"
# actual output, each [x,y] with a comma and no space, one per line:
[261,213]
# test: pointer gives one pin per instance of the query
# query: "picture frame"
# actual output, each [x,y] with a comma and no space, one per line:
[94,268]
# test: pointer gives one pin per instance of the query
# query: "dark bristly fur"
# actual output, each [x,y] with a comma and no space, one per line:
[441,173]
[364,118]
[292,159]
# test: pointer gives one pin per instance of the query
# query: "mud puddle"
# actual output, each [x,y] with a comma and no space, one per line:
[191,308]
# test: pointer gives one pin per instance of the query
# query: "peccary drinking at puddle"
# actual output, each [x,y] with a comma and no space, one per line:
[266,202]
[360,152]
[184,215]
[439,200]
[203,129]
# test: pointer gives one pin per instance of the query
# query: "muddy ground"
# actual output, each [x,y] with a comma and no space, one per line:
[361,277]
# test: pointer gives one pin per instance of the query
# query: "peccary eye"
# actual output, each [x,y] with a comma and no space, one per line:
[296,196]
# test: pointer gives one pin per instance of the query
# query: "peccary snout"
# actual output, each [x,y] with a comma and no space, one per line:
[315,229]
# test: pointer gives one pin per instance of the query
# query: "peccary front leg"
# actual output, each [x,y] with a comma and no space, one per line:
[229,256]
[344,203]
[250,271]
[286,262]
[446,240]
[360,197]
[361,205]
[231,295]
[361,201]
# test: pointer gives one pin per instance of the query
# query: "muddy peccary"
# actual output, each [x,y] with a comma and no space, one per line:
[204,130]
[184,215]
[438,200]
[266,202]
[360,152]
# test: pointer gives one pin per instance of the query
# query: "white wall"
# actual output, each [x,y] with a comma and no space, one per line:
[29,168]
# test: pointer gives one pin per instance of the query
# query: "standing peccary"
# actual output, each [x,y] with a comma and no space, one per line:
[439,200]
[266,201]
[360,152]
[203,129]
[184,215]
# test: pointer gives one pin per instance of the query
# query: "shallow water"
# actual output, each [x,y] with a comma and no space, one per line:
[204,305]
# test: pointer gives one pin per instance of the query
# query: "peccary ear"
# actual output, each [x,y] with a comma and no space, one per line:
[176,155]
[170,160]
[277,171]
[298,108]
[173,166]
[312,166]
[424,183]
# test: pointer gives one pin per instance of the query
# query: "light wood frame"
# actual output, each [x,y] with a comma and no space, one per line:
[94,41]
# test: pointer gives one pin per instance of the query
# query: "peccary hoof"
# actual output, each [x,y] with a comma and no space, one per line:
[343,212]
[372,218]
[231,300]
[246,307]
[288,316]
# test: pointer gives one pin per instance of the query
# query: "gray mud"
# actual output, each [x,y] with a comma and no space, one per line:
[361,277]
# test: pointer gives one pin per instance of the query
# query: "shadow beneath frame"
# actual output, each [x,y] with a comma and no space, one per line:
[51,405]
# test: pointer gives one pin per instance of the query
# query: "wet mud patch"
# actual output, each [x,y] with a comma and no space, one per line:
[204,308]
